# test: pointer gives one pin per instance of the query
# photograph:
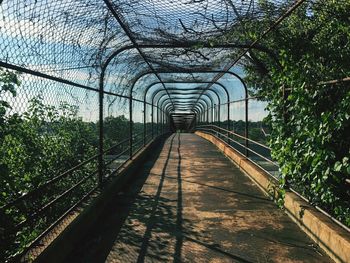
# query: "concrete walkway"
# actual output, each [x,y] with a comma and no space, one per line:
[191,204]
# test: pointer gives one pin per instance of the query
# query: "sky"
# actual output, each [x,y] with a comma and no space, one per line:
[32,42]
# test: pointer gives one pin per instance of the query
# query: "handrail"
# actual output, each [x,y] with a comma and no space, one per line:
[36,213]
[247,148]
[118,155]
[202,127]
[60,176]
[236,134]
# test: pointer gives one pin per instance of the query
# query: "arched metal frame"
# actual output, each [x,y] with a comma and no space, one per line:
[192,82]
[169,107]
[138,47]
[218,97]
[207,71]
[177,89]
[204,71]
[188,94]
[203,90]
[185,99]
[192,89]
[155,83]
[186,102]
[196,110]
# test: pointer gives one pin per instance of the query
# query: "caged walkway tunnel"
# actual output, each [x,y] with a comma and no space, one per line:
[174,131]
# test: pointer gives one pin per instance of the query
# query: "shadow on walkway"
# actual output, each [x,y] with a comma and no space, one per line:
[189,203]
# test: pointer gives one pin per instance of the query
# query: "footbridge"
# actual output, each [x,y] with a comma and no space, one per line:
[174,131]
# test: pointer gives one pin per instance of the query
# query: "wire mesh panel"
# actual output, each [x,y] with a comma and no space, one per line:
[215,119]
[155,120]
[223,116]
[49,147]
[138,126]
[66,39]
[237,117]
[149,123]
[258,130]
[258,133]
[116,133]
[238,123]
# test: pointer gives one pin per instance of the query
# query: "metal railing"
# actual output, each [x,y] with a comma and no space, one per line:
[39,204]
[259,154]
[28,215]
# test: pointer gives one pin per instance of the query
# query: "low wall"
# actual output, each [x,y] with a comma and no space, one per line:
[334,239]
[65,243]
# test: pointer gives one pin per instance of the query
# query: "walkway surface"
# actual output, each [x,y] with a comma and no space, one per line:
[191,204]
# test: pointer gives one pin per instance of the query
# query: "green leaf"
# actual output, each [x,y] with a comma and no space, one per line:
[338,166]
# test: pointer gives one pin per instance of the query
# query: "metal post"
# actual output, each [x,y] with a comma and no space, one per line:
[130,126]
[213,114]
[219,115]
[228,115]
[163,122]
[152,119]
[157,126]
[144,123]
[100,156]
[228,123]
[208,115]
[246,128]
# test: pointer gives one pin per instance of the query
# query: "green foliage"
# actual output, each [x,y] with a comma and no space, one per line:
[35,147]
[116,128]
[8,83]
[310,136]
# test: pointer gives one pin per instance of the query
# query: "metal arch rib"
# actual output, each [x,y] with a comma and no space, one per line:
[132,39]
[191,93]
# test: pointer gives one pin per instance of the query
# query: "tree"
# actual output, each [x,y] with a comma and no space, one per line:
[310,136]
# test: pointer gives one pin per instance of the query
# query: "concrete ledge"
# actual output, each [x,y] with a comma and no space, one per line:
[332,238]
[62,246]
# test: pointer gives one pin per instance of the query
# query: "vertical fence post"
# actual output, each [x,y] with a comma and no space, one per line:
[208,115]
[130,126]
[195,121]
[228,115]
[152,119]
[228,122]
[214,114]
[144,122]
[100,148]
[246,127]
[157,123]
[162,122]
[285,94]
[207,111]
[219,114]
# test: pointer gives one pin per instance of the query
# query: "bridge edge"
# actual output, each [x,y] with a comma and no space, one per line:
[333,239]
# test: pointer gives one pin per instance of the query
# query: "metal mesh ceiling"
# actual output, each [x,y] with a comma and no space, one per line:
[185,20]
[74,39]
